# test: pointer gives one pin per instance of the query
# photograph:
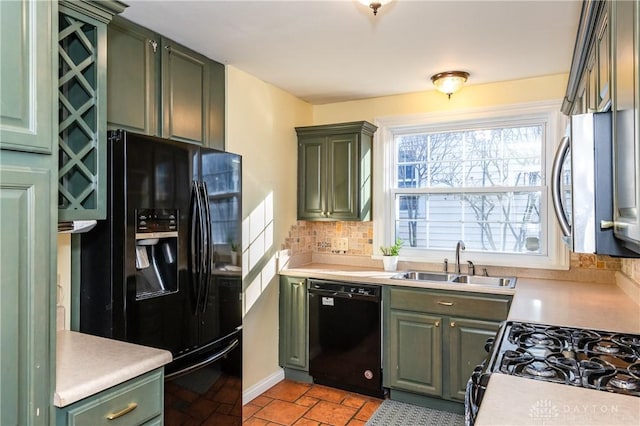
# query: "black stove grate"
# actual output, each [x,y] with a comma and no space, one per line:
[591,359]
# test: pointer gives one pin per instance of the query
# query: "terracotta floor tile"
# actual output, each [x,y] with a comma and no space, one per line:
[331,413]
[367,410]
[261,400]
[287,390]
[306,422]
[249,410]
[253,421]
[354,422]
[306,401]
[202,408]
[354,400]
[326,393]
[281,412]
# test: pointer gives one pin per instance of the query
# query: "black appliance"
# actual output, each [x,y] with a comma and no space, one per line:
[149,273]
[344,336]
[593,359]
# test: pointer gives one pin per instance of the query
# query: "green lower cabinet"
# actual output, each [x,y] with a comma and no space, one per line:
[139,401]
[415,354]
[433,340]
[293,345]
[467,338]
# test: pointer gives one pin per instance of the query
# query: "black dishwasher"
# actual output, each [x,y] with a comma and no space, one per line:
[344,336]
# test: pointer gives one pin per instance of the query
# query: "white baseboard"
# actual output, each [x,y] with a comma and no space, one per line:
[260,387]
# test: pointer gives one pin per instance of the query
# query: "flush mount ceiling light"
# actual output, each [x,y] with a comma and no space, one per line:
[449,82]
[375,5]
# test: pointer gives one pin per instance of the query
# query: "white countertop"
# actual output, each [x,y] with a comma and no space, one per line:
[513,400]
[86,364]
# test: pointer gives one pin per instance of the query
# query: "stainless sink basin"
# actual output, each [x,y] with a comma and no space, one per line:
[488,281]
[423,276]
[454,278]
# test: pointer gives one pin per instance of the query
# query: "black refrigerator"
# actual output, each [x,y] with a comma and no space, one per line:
[157,272]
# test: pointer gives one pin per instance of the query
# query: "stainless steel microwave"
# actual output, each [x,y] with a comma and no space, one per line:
[582,186]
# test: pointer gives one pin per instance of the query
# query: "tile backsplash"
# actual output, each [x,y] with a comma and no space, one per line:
[315,238]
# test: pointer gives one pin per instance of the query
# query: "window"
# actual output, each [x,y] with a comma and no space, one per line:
[477,177]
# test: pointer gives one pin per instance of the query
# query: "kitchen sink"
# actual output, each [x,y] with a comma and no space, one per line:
[509,282]
[423,276]
[488,281]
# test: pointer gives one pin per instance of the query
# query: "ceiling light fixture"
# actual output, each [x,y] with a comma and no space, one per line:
[375,5]
[449,82]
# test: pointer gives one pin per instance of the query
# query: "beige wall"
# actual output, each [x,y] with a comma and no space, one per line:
[483,95]
[260,127]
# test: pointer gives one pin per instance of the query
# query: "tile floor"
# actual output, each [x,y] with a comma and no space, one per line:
[288,403]
[300,404]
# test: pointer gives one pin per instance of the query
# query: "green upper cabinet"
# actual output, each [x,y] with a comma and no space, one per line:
[334,171]
[28,214]
[132,95]
[160,88]
[626,121]
[27,80]
[82,80]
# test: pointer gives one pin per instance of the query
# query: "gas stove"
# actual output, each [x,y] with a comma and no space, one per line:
[592,359]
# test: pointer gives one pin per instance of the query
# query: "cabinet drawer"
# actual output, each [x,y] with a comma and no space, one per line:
[145,393]
[492,307]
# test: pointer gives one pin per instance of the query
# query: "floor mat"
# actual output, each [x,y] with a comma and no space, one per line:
[395,413]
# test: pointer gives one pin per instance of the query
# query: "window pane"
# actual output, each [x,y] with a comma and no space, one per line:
[477,158]
[507,222]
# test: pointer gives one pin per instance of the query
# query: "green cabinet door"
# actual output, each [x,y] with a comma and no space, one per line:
[626,120]
[334,171]
[467,339]
[27,83]
[415,352]
[217,100]
[82,108]
[28,214]
[311,178]
[342,175]
[185,93]
[293,345]
[27,285]
[133,64]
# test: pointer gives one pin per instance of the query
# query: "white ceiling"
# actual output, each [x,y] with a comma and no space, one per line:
[326,51]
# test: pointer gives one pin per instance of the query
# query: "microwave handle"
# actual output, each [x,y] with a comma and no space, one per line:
[556,188]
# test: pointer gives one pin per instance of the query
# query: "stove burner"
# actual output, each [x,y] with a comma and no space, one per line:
[634,369]
[540,370]
[627,340]
[539,339]
[607,347]
[622,381]
[517,357]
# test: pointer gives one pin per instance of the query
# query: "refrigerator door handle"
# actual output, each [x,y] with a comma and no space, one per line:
[213,358]
[209,256]
[196,246]
[556,185]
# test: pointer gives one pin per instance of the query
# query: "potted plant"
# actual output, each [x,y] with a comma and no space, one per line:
[390,255]
[234,253]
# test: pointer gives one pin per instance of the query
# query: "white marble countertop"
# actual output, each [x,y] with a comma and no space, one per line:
[518,401]
[86,364]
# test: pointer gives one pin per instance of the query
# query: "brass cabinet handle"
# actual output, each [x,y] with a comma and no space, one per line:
[437,323]
[453,324]
[132,406]
[440,302]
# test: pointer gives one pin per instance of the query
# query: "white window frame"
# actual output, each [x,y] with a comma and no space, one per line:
[557,254]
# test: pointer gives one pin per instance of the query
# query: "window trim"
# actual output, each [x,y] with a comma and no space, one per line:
[557,256]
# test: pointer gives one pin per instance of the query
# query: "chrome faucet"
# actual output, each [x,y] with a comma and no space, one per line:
[459,246]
